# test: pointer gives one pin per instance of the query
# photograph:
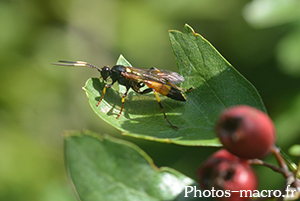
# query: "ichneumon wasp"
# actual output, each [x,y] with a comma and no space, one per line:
[157,81]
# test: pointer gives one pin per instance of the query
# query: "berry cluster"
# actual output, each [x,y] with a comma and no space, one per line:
[247,135]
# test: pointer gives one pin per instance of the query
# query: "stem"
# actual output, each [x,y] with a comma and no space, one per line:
[269,165]
[285,170]
[291,177]
[297,173]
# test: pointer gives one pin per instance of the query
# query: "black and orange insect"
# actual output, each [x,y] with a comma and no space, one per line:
[157,81]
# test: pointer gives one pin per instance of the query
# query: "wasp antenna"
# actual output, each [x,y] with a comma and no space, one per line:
[71,62]
[64,63]
[76,63]
[83,63]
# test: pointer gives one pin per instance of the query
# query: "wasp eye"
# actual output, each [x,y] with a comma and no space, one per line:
[105,72]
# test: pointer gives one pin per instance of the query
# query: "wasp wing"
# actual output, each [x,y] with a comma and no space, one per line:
[154,74]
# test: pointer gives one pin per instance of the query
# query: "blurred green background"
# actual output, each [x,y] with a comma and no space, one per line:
[38,101]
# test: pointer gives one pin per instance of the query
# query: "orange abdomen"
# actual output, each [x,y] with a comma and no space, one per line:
[166,90]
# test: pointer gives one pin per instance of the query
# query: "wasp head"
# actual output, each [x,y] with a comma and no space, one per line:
[105,72]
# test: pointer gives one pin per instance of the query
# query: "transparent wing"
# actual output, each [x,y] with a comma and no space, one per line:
[154,74]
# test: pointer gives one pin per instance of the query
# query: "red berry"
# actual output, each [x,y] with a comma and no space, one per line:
[224,173]
[224,154]
[246,132]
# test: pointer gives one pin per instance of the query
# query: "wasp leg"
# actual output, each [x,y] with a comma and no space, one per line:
[123,101]
[189,89]
[159,103]
[148,90]
[103,92]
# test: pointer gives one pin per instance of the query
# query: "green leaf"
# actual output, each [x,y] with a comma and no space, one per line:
[105,168]
[287,53]
[217,85]
[269,13]
[295,150]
